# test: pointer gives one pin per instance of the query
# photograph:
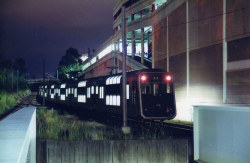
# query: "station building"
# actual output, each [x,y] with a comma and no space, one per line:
[205,44]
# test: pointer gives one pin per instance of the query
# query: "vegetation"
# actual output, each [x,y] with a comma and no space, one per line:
[52,125]
[12,74]
[9,100]
[69,63]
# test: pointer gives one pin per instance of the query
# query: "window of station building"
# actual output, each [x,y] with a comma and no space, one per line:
[88,92]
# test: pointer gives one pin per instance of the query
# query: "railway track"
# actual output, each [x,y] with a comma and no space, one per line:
[25,101]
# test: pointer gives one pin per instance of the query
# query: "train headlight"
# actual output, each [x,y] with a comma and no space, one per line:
[168,78]
[143,78]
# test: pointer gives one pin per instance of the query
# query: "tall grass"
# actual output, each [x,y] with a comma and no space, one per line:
[9,100]
[51,125]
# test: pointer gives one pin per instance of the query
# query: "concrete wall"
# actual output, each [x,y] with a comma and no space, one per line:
[192,35]
[18,136]
[112,151]
[221,134]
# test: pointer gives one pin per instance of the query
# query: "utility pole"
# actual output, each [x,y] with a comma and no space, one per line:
[125,128]
[17,76]
[12,75]
[43,82]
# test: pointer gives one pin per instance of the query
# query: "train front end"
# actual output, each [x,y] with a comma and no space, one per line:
[156,95]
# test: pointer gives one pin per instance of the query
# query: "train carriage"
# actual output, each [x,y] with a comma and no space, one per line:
[150,94]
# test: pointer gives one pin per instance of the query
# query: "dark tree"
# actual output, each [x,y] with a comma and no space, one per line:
[21,66]
[7,64]
[70,62]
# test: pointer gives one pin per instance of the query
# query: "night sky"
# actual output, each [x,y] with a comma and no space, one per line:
[43,29]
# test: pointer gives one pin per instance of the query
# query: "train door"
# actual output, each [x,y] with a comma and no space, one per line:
[133,94]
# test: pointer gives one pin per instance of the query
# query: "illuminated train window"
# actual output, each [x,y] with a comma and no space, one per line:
[81,98]
[88,92]
[63,86]
[114,100]
[101,94]
[82,84]
[96,89]
[113,80]
[127,87]
[75,92]
[92,90]
[62,97]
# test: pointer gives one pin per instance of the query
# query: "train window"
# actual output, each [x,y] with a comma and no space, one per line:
[101,93]
[63,85]
[92,90]
[110,100]
[81,98]
[88,92]
[107,100]
[156,89]
[118,100]
[59,92]
[96,89]
[118,80]
[75,92]
[62,97]
[114,100]
[82,84]
[146,89]
[66,92]
[107,81]
[127,91]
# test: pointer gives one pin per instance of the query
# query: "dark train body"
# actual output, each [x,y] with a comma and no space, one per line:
[150,94]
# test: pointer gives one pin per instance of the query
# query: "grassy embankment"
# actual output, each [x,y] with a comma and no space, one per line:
[9,100]
[55,126]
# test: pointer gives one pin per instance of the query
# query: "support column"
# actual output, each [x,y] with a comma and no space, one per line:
[167,48]
[153,8]
[142,46]
[187,49]
[153,48]
[224,44]
[133,38]
[133,44]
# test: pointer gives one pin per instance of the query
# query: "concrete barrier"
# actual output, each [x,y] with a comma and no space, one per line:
[18,137]
[221,134]
[115,151]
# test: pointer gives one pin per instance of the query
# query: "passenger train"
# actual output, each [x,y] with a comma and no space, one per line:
[150,94]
